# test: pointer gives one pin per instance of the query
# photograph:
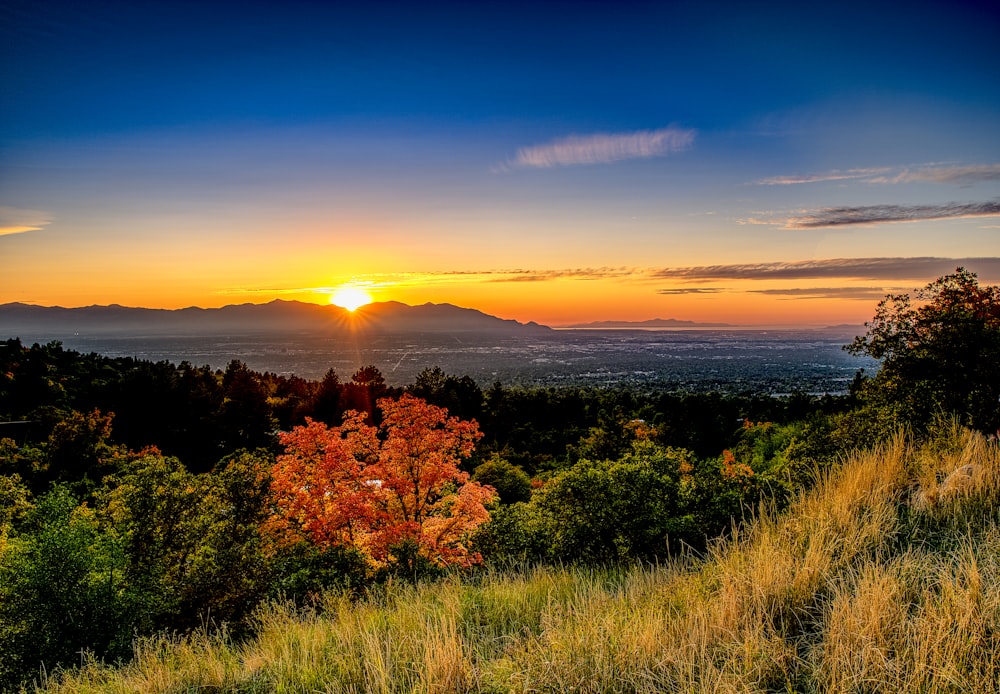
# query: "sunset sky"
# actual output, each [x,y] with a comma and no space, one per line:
[766,163]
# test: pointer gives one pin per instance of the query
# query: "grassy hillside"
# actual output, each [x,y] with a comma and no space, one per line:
[884,578]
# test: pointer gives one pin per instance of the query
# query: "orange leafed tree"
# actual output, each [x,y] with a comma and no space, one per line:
[319,488]
[376,489]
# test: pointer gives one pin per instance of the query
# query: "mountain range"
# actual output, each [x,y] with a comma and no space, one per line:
[29,321]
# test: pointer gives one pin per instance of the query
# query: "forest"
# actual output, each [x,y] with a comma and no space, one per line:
[143,500]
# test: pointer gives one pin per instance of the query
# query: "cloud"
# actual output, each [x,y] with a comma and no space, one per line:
[866,293]
[692,280]
[886,214]
[604,148]
[960,175]
[678,291]
[15,220]
[574,274]
[835,175]
[921,269]
[964,174]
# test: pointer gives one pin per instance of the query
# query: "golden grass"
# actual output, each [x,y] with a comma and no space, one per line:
[856,588]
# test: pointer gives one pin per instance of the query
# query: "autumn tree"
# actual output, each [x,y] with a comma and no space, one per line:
[383,490]
[320,485]
[422,495]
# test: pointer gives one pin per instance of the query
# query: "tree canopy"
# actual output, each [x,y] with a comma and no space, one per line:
[940,354]
[383,490]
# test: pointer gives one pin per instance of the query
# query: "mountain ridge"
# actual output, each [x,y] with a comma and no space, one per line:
[274,316]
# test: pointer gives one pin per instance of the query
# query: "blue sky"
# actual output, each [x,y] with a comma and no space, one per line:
[544,161]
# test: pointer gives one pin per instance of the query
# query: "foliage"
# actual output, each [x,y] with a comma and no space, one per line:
[380,490]
[60,592]
[650,502]
[511,483]
[857,588]
[461,396]
[191,541]
[940,356]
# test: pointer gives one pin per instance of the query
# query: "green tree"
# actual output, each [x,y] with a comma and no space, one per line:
[245,416]
[939,356]
[60,592]
[191,542]
[511,483]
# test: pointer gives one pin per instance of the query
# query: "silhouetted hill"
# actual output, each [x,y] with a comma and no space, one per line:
[28,321]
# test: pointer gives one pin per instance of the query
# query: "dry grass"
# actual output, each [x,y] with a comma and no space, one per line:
[857,588]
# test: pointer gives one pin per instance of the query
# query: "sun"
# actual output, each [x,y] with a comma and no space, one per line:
[350,297]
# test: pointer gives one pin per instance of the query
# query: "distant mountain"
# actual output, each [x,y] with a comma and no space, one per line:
[31,322]
[652,324]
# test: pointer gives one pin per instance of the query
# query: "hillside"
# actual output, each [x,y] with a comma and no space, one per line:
[884,577]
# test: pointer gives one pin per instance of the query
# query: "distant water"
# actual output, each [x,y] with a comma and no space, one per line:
[775,361]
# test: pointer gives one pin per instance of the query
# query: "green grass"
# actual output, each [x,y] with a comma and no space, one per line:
[856,588]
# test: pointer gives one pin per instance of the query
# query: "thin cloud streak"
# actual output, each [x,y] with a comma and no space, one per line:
[573,274]
[959,175]
[919,269]
[858,293]
[889,214]
[604,148]
[835,175]
[16,220]
[964,174]
[680,291]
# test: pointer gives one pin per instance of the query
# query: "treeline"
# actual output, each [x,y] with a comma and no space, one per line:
[137,497]
[200,415]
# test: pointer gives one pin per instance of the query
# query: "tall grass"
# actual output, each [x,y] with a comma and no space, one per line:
[857,588]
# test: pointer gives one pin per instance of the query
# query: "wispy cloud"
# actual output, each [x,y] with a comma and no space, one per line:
[920,269]
[958,174]
[573,274]
[679,291]
[835,175]
[15,220]
[603,148]
[887,214]
[865,293]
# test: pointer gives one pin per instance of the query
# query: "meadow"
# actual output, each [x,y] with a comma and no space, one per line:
[884,576]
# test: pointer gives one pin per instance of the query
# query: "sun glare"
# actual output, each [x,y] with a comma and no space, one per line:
[351,298]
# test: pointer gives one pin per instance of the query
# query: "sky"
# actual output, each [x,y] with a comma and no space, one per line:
[562,162]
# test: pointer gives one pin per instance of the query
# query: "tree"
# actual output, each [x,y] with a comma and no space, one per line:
[326,403]
[245,417]
[363,392]
[191,543]
[461,396]
[320,485]
[60,594]
[394,492]
[511,483]
[940,356]
[637,507]
[422,494]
